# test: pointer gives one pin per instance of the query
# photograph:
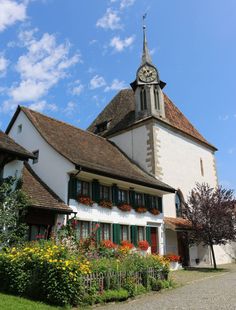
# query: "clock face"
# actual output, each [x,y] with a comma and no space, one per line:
[147,74]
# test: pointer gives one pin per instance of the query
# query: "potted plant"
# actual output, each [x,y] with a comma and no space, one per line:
[124,207]
[141,209]
[105,204]
[174,261]
[143,246]
[154,211]
[85,200]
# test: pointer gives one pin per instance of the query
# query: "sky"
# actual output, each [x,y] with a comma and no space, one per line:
[68,58]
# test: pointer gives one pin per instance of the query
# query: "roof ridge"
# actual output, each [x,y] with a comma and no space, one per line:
[62,122]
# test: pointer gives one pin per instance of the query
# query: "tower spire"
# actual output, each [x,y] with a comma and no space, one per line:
[146,58]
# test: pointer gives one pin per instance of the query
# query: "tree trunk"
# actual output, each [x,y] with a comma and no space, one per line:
[213,255]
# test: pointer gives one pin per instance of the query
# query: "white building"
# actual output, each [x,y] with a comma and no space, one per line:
[136,146]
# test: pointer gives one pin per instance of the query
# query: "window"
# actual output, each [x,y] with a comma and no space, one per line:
[122,196]
[138,198]
[153,202]
[83,229]
[19,128]
[178,205]
[156,98]
[143,99]
[39,232]
[201,167]
[82,188]
[104,192]
[105,231]
[102,126]
[124,230]
[141,233]
[36,159]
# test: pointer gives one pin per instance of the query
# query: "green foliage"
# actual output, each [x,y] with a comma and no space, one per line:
[115,295]
[13,208]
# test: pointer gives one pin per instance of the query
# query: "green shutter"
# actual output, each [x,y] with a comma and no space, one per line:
[160,204]
[132,198]
[147,201]
[148,234]
[115,194]
[98,233]
[116,233]
[134,235]
[72,188]
[95,191]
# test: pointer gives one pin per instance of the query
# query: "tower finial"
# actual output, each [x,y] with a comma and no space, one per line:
[146,58]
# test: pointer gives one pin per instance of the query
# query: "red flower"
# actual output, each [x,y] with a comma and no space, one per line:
[172,257]
[85,200]
[108,244]
[124,207]
[127,244]
[143,245]
[141,209]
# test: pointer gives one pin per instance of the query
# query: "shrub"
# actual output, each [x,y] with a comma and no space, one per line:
[115,295]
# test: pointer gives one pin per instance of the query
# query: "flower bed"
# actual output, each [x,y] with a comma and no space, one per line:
[74,274]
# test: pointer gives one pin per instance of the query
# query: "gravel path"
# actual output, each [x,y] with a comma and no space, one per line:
[215,292]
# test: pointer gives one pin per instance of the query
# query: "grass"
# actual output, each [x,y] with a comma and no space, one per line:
[8,302]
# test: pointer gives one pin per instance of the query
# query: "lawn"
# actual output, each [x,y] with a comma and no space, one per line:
[8,302]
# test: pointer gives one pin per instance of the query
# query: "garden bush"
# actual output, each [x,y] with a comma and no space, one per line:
[60,273]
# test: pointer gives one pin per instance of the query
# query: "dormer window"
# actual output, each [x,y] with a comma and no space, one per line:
[143,99]
[19,128]
[102,127]
[36,155]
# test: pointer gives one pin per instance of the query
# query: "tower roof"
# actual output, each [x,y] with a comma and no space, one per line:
[146,58]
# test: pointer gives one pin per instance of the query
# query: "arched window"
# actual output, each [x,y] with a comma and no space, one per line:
[156,98]
[143,99]
[179,201]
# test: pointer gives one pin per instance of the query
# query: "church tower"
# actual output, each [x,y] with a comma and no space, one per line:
[148,87]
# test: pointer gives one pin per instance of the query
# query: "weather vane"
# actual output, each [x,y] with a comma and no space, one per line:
[144,17]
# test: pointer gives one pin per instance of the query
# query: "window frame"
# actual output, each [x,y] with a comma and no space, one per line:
[120,195]
[138,202]
[102,192]
[122,232]
[102,231]
[36,159]
[139,228]
[80,230]
[82,192]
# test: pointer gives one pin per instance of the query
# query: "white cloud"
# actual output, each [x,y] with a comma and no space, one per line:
[70,108]
[126,3]
[11,12]
[42,106]
[97,82]
[3,65]
[76,88]
[119,45]
[110,20]
[231,150]
[115,85]
[223,117]
[43,65]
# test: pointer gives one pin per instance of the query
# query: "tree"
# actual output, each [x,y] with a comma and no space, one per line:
[13,208]
[212,214]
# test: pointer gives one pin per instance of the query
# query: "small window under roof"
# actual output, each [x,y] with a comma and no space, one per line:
[102,126]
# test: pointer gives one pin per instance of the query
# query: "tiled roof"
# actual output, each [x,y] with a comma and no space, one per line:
[40,195]
[177,223]
[121,114]
[8,145]
[89,151]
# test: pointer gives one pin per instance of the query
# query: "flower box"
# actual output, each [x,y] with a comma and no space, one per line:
[124,207]
[105,204]
[85,200]
[154,211]
[141,209]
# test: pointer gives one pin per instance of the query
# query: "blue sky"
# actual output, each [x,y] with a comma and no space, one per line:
[68,58]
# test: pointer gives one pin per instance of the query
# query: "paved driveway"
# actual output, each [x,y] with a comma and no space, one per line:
[216,292]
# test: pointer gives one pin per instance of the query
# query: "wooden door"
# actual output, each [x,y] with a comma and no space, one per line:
[154,240]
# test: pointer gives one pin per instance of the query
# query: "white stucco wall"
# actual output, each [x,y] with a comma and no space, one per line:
[52,168]
[134,144]
[179,160]
[13,169]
